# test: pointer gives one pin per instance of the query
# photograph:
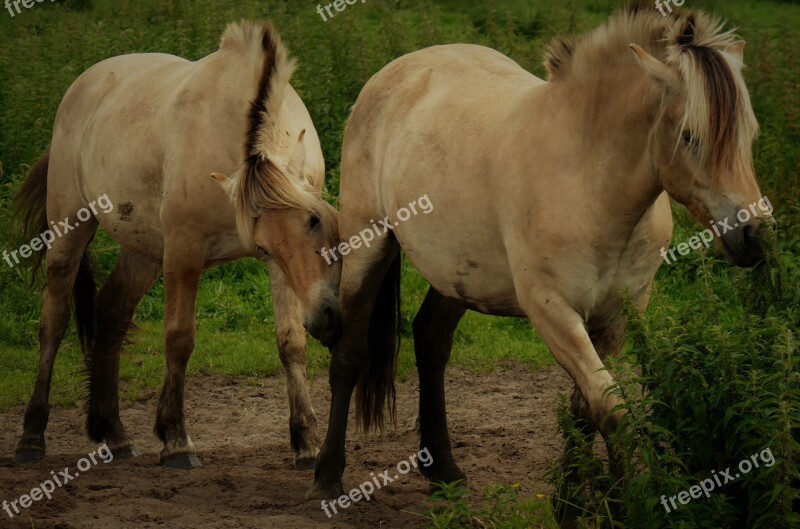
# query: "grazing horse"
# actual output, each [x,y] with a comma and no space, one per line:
[551,201]
[146,132]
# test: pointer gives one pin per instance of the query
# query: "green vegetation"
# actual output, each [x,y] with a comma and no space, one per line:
[714,395]
[718,364]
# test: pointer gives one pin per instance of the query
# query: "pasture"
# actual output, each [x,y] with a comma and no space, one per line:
[716,351]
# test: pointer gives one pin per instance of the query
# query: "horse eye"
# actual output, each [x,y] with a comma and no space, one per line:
[687,138]
[313,222]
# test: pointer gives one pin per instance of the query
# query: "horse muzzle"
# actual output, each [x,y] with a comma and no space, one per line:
[326,325]
[744,245]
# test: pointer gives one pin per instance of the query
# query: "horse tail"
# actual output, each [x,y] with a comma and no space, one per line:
[83,296]
[30,205]
[375,389]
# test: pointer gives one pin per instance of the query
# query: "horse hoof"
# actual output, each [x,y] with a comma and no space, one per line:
[320,492]
[124,453]
[305,464]
[458,478]
[181,461]
[28,455]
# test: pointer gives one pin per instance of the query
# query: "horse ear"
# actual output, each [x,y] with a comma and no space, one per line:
[297,161]
[657,70]
[737,49]
[224,180]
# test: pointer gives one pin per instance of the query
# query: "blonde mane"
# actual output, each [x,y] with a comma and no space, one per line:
[717,112]
[261,184]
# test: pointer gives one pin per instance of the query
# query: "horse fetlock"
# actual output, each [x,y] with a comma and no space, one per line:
[603,417]
[303,431]
[103,426]
[36,418]
[118,441]
[178,442]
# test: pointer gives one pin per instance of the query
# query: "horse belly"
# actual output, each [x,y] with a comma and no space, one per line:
[475,273]
[134,228]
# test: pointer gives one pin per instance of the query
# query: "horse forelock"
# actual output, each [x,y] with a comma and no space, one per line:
[261,184]
[718,111]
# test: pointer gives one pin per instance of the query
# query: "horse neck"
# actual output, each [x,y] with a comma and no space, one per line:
[614,116]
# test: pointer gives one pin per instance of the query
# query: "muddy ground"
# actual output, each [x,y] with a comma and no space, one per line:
[503,429]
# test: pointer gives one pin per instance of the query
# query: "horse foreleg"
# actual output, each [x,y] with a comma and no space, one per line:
[182,272]
[564,332]
[291,337]
[566,335]
[607,341]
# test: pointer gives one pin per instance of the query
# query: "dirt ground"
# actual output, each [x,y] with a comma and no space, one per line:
[503,430]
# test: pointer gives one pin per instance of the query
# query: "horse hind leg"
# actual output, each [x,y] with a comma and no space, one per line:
[291,337]
[68,266]
[115,305]
[434,327]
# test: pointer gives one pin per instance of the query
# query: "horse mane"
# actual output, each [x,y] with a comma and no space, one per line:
[718,112]
[260,184]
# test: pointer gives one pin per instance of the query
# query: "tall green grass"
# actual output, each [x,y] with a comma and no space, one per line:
[705,396]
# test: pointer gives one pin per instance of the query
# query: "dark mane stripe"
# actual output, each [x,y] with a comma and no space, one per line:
[258,107]
[557,56]
[260,184]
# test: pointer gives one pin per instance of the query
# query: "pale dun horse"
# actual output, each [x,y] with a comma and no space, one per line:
[551,201]
[148,131]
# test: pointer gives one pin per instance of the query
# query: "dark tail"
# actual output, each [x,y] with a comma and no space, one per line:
[83,293]
[375,390]
[30,205]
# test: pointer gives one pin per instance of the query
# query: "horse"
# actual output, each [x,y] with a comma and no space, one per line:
[552,200]
[147,132]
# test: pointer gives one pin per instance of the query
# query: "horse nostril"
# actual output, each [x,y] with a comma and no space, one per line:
[749,235]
